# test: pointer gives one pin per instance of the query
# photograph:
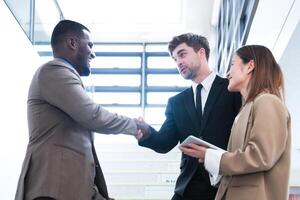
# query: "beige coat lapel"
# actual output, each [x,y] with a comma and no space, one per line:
[237,140]
[239,128]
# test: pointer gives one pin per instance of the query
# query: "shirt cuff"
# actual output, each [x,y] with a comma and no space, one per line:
[212,164]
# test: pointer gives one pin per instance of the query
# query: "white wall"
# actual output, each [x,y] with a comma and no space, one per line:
[18,62]
[290,63]
[276,25]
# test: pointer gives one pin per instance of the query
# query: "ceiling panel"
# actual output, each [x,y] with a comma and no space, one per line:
[139,20]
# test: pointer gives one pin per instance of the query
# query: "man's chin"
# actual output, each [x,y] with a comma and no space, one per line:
[186,76]
[86,71]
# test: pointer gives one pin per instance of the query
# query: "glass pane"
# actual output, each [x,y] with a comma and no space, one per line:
[133,112]
[118,48]
[116,80]
[157,48]
[45,22]
[161,62]
[167,80]
[116,97]
[42,48]
[116,62]
[21,13]
[159,97]
[155,116]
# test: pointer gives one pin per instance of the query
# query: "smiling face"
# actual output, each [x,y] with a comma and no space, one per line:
[84,54]
[239,75]
[188,61]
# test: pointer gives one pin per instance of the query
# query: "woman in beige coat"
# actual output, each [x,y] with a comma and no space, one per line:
[256,164]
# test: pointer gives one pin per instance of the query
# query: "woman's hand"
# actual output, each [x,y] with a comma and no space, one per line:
[194,150]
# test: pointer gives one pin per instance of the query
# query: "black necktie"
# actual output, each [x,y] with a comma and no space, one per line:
[198,101]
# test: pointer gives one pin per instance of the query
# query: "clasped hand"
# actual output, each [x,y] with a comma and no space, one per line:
[143,129]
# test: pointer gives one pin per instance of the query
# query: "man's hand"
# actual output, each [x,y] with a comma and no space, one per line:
[143,129]
[195,151]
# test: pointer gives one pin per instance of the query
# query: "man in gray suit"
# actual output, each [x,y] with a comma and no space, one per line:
[60,161]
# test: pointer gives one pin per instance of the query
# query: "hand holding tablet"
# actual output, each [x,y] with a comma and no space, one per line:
[195,140]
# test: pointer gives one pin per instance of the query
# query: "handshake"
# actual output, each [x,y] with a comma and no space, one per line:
[143,129]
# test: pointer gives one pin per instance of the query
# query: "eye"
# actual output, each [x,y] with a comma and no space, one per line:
[182,55]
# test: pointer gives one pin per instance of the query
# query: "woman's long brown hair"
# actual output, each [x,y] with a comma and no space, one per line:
[266,76]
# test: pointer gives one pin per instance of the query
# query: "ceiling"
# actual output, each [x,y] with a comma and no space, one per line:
[140,20]
[274,23]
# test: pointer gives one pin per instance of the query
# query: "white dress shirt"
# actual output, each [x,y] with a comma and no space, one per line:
[206,83]
[212,164]
[212,157]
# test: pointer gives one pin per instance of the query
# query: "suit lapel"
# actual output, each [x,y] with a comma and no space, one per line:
[239,129]
[215,91]
[190,107]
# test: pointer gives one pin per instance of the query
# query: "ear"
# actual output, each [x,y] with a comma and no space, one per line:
[201,51]
[72,43]
[250,66]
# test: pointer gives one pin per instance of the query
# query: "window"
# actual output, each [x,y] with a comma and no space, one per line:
[133,79]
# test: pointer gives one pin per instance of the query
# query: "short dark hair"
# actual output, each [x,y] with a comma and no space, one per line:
[192,40]
[65,27]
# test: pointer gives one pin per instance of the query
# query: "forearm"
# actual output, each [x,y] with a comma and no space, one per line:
[160,142]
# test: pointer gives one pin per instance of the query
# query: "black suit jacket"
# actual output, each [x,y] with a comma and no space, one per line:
[181,121]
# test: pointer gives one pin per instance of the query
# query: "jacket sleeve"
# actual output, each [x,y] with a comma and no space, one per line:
[62,88]
[267,140]
[166,138]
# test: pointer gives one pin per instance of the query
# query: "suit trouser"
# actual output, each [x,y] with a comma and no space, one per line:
[197,190]
[178,197]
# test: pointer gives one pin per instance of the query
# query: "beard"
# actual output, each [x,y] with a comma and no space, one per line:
[86,70]
[187,75]
[83,69]
[83,66]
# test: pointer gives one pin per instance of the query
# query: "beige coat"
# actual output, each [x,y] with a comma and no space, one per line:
[258,165]
[60,161]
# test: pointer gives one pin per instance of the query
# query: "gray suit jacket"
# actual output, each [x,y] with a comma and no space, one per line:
[258,164]
[60,160]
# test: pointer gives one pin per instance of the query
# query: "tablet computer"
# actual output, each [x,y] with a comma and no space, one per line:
[194,140]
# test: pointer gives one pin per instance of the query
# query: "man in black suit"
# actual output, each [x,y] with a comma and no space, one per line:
[206,114]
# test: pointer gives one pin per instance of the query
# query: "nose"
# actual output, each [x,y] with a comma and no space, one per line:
[93,55]
[178,62]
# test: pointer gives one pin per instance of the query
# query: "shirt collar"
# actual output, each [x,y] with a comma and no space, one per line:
[65,61]
[206,83]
